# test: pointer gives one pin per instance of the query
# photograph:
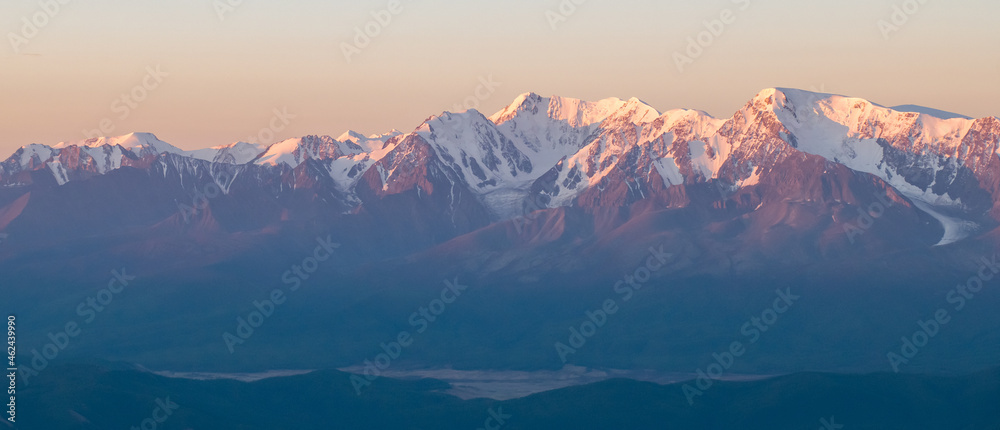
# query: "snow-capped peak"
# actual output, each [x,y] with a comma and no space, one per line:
[806,113]
[288,151]
[234,153]
[374,143]
[295,151]
[386,136]
[574,112]
[636,111]
[351,135]
[863,136]
[139,143]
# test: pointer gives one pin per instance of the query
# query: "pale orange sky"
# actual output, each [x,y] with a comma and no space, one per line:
[225,77]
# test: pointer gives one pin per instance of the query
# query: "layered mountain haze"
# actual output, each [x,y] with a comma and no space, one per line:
[545,205]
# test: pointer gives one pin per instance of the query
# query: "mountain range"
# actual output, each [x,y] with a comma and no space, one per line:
[544,206]
[479,170]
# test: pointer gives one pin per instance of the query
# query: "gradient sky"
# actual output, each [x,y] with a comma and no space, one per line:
[227,76]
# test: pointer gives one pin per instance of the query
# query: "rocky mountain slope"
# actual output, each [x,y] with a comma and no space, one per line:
[459,172]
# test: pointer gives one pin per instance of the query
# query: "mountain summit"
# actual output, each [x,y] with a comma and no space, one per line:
[466,170]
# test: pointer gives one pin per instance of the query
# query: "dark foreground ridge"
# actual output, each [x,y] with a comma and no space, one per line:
[112,396]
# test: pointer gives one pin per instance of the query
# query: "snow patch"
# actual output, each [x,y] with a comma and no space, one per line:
[955,229]
[667,168]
